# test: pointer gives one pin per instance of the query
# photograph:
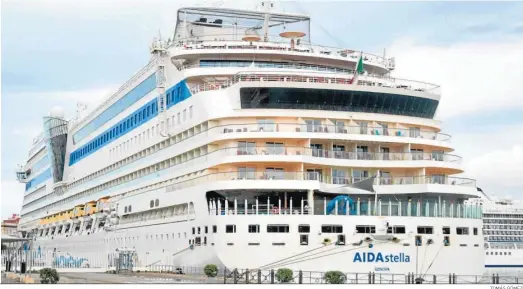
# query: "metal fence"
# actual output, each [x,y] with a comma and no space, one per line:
[29,261]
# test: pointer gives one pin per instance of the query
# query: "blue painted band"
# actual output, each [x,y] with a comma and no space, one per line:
[504,266]
[174,95]
[44,176]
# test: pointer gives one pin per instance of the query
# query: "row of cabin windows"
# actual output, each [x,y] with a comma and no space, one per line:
[147,134]
[145,113]
[206,230]
[145,152]
[500,253]
[115,182]
[338,229]
[174,95]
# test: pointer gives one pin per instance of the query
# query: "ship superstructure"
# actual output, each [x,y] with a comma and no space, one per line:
[503,233]
[241,136]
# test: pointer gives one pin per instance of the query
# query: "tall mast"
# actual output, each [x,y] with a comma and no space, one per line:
[267,5]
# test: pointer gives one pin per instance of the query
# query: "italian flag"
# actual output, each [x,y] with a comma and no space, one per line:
[359,70]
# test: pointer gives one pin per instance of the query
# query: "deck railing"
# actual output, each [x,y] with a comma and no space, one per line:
[324,78]
[360,207]
[346,155]
[331,129]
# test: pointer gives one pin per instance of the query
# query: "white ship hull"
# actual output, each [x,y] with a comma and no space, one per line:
[205,133]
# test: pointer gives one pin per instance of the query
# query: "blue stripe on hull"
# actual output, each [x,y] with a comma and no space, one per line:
[504,266]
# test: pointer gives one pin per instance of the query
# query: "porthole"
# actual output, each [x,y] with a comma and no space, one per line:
[157,202]
[151,204]
[129,208]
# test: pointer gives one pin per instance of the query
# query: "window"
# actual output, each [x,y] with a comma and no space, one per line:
[475,231]
[230,229]
[304,229]
[332,229]
[190,112]
[214,229]
[199,230]
[246,173]
[366,229]
[446,230]
[206,229]
[184,115]
[254,228]
[277,228]
[425,230]
[179,118]
[462,230]
[396,230]
[151,204]
[193,230]
[157,202]
[304,240]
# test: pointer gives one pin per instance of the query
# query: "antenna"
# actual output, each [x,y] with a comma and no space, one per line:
[267,6]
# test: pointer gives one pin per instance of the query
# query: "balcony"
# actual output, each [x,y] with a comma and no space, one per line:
[333,130]
[339,155]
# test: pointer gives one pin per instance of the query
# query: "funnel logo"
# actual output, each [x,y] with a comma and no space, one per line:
[381,258]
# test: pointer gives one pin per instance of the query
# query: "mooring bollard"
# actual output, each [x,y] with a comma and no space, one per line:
[272,276]
[259,276]
[246,276]
[300,277]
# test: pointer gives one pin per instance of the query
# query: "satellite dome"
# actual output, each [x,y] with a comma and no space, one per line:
[57,112]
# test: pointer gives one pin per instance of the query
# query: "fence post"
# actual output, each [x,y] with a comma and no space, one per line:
[450,278]
[434,279]
[300,277]
[259,276]
[497,278]
[373,278]
[225,275]
[246,276]
[370,277]
[357,278]
[235,275]
[272,276]
[453,278]
[407,278]
[493,278]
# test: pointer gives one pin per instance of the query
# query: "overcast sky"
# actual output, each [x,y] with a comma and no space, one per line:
[60,52]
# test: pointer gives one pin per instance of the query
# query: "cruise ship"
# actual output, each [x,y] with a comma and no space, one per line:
[243,144]
[503,233]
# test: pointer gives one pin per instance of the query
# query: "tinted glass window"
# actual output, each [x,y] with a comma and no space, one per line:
[337,100]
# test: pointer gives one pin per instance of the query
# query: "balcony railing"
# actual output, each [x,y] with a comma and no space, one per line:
[332,129]
[279,77]
[277,43]
[321,153]
[433,179]
[245,175]
[360,207]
